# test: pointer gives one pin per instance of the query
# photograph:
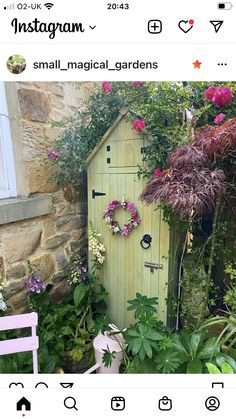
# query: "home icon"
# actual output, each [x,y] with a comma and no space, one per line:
[23,403]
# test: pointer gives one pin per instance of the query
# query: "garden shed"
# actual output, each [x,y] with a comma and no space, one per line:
[128,268]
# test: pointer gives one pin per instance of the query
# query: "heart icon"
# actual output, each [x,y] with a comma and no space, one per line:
[12,385]
[186,25]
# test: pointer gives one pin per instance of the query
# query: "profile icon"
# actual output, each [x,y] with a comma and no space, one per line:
[16,64]
[212,403]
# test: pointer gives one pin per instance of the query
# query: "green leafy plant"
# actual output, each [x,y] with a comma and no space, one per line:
[66,328]
[194,349]
[167,361]
[230,298]
[108,357]
[225,369]
[228,334]
[230,269]
[145,338]
[223,364]
[142,306]
[230,295]
[142,340]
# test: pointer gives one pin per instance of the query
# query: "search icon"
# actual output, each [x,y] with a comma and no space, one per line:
[70,403]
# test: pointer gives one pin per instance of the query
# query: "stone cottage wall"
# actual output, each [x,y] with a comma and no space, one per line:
[48,240]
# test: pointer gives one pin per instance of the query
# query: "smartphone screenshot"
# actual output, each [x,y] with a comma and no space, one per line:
[117,209]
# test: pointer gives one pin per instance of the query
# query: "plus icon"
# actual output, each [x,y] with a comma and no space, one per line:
[155,26]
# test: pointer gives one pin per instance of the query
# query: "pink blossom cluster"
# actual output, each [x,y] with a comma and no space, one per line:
[53,155]
[111,208]
[126,230]
[138,125]
[219,118]
[107,87]
[219,96]
[157,172]
[137,84]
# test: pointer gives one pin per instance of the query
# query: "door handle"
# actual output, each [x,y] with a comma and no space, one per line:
[153,266]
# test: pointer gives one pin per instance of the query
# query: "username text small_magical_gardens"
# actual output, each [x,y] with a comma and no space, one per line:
[46,27]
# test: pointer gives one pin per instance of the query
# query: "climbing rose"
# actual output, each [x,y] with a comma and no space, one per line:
[53,154]
[137,84]
[139,124]
[157,172]
[209,93]
[106,87]
[222,97]
[219,118]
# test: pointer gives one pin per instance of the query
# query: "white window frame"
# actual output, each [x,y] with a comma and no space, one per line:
[6,146]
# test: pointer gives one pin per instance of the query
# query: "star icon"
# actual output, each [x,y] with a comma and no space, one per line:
[197,64]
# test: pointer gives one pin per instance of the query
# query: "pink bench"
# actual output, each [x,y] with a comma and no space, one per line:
[12,346]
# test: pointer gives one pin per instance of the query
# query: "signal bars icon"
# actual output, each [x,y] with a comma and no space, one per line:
[10,7]
[48,5]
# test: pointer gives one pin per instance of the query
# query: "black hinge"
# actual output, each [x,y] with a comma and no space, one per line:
[94,193]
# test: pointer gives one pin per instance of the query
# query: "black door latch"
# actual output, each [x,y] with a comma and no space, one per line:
[94,193]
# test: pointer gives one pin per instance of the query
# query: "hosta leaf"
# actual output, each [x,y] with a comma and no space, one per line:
[180,349]
[212,369]
[227,369]
[222,358]
[195,342]
[209,349]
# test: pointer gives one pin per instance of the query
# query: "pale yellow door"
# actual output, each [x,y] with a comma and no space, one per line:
[124,272]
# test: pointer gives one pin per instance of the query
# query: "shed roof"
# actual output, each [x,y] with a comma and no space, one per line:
[122,113]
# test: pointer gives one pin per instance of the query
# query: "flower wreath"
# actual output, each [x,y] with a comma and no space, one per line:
[133,221]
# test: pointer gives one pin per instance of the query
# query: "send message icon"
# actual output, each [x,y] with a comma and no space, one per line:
[165,403]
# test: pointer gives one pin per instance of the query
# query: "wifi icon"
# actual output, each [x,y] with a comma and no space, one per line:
[49,5]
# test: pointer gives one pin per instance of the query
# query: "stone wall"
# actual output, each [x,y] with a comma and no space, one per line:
[49,240]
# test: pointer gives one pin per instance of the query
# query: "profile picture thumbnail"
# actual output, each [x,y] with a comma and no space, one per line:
[16,64]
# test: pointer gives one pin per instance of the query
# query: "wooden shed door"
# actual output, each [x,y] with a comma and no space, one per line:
[124,272]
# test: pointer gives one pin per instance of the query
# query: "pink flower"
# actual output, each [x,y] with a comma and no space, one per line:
[219,118]
[106,87]
[131,206]
[157,172]
[222,96]
[53,154]
[139,125]
[137,84]
[209,93]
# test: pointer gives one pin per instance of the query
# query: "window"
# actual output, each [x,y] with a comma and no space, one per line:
[7,167]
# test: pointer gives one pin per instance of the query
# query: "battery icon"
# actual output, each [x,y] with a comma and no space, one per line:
[225,6]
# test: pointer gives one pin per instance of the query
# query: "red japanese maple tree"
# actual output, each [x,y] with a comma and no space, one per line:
[198,174]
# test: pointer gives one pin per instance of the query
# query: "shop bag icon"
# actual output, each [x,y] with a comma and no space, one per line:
[165,403]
